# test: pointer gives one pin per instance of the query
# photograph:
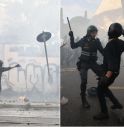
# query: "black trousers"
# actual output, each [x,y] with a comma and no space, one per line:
[104,91]
[84,67]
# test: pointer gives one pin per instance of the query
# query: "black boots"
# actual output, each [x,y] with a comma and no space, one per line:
[85,102]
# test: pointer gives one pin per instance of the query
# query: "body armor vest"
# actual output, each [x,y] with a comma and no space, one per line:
[89,50]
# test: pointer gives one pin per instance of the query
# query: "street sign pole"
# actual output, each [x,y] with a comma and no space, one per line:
[47,59]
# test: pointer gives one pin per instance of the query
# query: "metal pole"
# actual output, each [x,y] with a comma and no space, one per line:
[47,59]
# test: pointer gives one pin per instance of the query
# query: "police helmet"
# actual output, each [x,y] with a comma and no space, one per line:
[91,29]
[115,30]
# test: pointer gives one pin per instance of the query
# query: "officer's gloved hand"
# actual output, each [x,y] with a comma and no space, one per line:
[71,34]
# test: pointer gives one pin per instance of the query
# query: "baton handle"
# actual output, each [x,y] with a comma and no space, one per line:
[69,24]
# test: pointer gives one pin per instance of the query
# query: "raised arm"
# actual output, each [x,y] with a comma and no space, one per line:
[5,69]
[72,43]
[9,68]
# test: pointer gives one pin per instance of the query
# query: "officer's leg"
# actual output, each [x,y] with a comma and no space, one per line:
[83,74]
[109,94]
[102,86]
[103,91]
[97,69]
[116,103]
[101,96]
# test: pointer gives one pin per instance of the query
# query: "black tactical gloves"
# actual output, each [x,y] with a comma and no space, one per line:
[71,34]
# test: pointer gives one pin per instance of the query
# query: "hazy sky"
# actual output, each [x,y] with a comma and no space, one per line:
[77,7]
[22,20]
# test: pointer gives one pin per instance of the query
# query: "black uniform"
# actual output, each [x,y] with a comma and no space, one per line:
[88,58]
[112,58]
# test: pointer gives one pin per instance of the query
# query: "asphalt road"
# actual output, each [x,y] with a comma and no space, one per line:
[72,114]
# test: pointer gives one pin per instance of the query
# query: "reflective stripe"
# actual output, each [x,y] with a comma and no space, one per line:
[85,54]
[89,54]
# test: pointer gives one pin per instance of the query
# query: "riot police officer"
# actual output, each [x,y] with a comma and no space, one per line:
[90,45]
[111,64]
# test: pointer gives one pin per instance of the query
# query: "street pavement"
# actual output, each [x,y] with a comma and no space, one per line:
[73,114]
[32,115]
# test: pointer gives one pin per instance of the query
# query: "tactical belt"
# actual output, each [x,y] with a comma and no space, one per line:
[88,53]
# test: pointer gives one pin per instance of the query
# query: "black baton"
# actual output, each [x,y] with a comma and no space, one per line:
[69,24]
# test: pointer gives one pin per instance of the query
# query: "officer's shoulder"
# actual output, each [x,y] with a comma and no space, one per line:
[121,42]
[109,44]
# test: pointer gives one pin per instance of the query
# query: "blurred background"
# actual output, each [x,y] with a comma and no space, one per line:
[20,23]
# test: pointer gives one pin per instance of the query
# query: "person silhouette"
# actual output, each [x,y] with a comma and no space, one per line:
[111,67]
[90,45]
[3,69]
